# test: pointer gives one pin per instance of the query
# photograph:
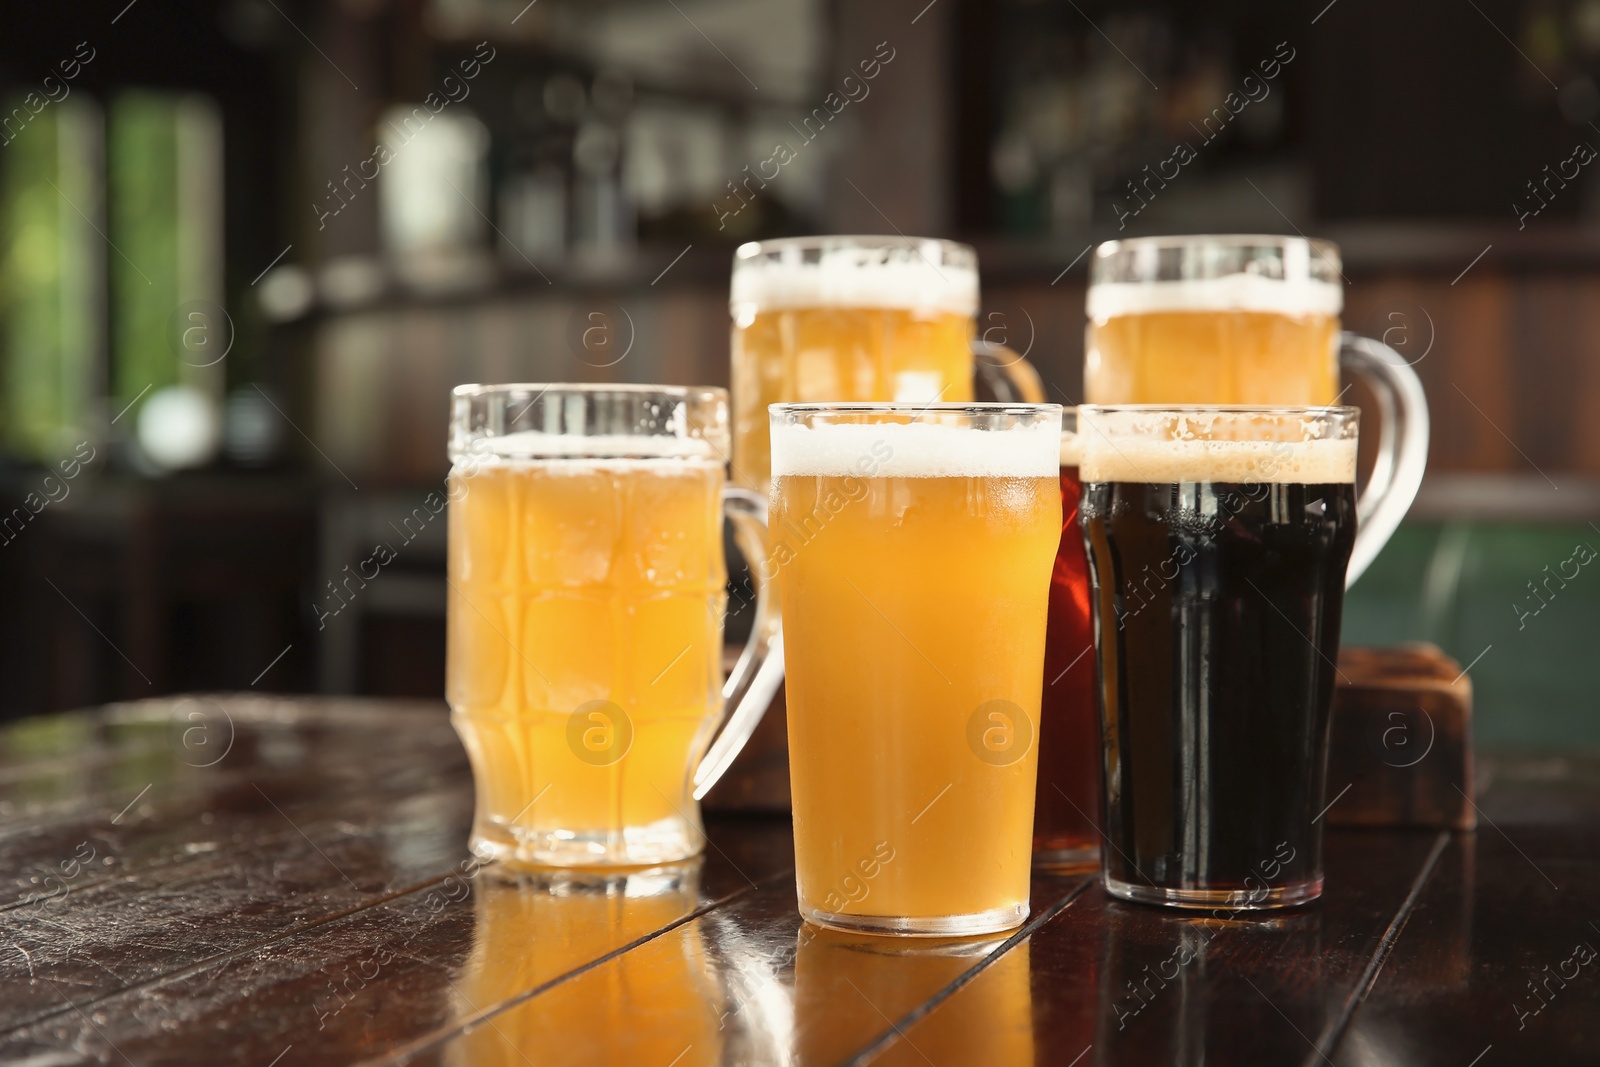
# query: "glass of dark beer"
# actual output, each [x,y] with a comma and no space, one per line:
[1066,809]
[1217,540]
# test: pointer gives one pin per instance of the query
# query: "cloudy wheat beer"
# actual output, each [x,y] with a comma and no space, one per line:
[913,548]
[851,319]
[1217,543]
[1213,320]
[587,587]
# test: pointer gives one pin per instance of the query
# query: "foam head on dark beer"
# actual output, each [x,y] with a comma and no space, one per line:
[1165,449]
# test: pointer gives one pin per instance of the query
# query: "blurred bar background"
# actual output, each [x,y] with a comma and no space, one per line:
[247,246]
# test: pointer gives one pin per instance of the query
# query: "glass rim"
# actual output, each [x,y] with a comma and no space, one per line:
[685,392]
[585,421]
[1274,274]
[749,252]
[1227,240]
[909,408]
[1295,410]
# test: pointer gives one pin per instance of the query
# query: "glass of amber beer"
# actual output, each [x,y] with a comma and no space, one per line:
[912,551]
[840,318]
[1066,814]
[587,588]
[1250,319]
[1217,541]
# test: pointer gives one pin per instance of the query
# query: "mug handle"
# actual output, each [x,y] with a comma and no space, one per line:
[1008,376]
[1402,444]
[759,671]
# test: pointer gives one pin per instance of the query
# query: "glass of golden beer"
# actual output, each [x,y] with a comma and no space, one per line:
[1250,319]
[587,588]
[838,318]
[912,548]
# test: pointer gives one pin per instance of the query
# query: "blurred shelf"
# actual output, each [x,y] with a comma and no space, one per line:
[355,284]
[1563,497]
[359,284]
[1445,248]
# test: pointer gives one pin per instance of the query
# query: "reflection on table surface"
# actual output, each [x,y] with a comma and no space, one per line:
[1168,999]
[991,1024]
[658,1004]
[309,889]
[719,988]
[872,979]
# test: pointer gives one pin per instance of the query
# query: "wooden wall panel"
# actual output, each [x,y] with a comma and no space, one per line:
[1509,362]
[1470,327]
[1584,377]
[1046,323]
[1541,361]
[694,338]
[384,376]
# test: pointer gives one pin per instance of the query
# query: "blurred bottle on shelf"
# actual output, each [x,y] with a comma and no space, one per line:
[533,214]
[433,194]
[604,227]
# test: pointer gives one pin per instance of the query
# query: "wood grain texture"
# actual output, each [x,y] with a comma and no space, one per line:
[1491,964]
[290,886]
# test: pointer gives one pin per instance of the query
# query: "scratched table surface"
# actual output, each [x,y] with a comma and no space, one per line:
[273,883]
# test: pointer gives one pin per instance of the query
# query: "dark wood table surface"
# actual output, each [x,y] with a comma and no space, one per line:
[272,883]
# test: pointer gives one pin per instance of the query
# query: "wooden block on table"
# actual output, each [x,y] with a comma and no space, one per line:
[1401,740]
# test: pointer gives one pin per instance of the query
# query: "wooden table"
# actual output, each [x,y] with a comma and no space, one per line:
[271,882]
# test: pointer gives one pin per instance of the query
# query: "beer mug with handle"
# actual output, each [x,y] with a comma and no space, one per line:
[835,319]
[586,596]
[1250,319]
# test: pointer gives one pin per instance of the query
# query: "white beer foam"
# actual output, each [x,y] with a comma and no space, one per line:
[1158,462]
[533,444]
[843,279]
[914,450]
[1235,292]
[1071,449]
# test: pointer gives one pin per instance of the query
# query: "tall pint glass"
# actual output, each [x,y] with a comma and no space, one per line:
[1217,540]
[587,588]
[1250,319]
[1066,813]
[912,550]
[838,318]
